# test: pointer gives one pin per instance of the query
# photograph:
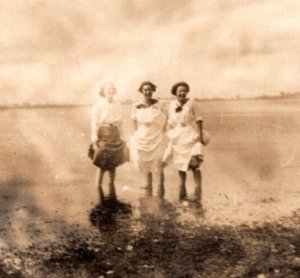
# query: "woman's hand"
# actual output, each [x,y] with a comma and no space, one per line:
[204,138]
[202,141]
[135,125]
[95,144]
[200,127]
[163,164]
[168,127]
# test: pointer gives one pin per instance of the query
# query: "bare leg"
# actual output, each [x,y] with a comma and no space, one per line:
[182,188]
[161,186]
[149,184]
[112,189]
[198,187]
[100,179]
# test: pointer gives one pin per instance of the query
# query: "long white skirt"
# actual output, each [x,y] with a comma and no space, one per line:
[184,143]
[146,149]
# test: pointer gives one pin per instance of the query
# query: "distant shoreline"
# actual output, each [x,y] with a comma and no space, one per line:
[130,102]
[36,106]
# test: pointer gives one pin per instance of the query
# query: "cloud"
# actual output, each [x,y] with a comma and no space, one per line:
[57,50]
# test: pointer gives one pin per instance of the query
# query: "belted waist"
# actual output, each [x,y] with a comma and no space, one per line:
[146,124]
[184,125]
[108,125]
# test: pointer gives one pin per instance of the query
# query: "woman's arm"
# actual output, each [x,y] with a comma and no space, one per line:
[199,121]
[135,125]
[164,111]
[168,126]
[120,127]
[94,123]
[133,117]
[200,127]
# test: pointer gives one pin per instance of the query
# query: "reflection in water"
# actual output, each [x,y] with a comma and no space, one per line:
[152,236]
[156,207]
[111,215]
[104,215]
[191,208]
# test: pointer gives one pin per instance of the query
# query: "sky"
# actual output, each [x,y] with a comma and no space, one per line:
[61,51]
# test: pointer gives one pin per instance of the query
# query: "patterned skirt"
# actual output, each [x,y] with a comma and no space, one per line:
[111,150]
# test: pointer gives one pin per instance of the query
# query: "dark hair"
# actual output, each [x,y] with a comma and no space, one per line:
[147,83]
[176,85]
[102,88]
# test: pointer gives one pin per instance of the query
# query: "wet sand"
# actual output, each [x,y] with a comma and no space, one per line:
[49,198]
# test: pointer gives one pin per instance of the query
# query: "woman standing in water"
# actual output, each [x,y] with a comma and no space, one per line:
[108,148]
[147,141]
[185,132]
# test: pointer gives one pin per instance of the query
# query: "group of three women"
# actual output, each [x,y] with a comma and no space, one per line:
[148,149]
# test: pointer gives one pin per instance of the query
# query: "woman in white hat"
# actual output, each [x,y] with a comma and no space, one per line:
[147,141]
[185,132]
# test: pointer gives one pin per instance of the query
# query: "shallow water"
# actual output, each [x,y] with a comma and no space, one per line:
[48,184]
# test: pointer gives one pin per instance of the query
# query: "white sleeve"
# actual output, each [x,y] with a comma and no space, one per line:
[94,122]
[168,153]
[164,108]
[171,107]
[133,112]
[196,111]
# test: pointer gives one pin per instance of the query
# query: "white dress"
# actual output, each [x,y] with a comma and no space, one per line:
[184,134]
[147,141]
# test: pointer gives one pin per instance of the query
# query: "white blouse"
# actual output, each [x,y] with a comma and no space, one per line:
[148,115]
[104,112]
[183,134]
[189,114]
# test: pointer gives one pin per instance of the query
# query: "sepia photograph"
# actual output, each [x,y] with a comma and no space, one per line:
[150,138]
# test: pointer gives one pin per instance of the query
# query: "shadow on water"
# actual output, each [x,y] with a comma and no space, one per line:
[108,214]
